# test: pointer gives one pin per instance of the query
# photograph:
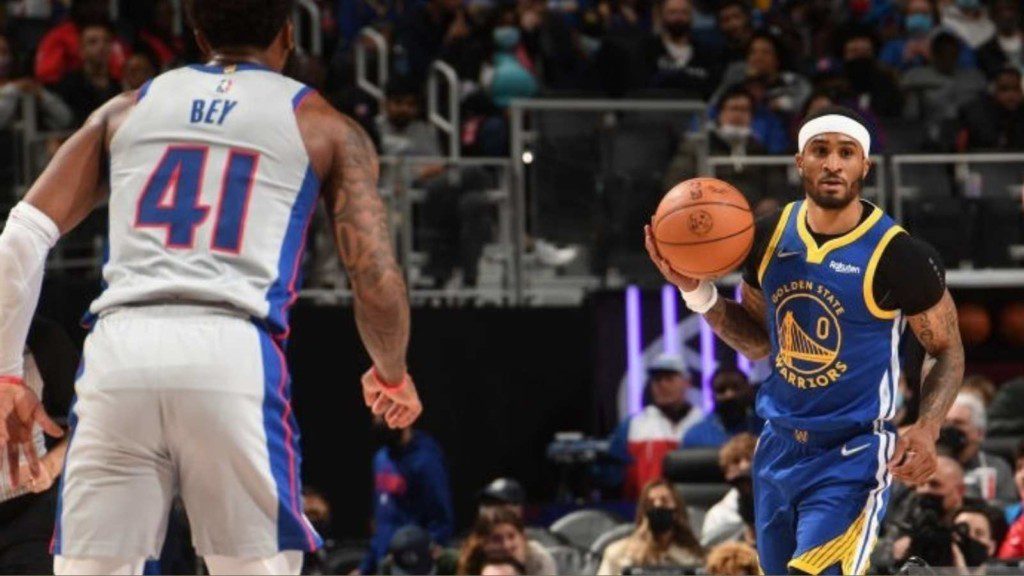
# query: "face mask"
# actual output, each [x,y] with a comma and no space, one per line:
[919,24]
[968,5]
[732,412]
[733,134]
[975,553]
[660,520]
[675,412]
[506,37]
[859,71]
[677,29]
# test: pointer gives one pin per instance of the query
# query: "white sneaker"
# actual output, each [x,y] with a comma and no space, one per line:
[549,255]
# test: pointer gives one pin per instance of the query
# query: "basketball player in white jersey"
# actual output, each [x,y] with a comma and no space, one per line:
[212,173]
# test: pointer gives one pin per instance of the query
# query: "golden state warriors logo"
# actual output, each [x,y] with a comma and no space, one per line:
[809,334]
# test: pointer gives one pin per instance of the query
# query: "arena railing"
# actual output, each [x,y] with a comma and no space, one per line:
[961,164]
[371,37]
[316,39]
[449,126]
[520,111]
[402,193]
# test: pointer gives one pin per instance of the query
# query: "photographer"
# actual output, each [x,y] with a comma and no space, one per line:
[925,524]
[987,476]
[977,532]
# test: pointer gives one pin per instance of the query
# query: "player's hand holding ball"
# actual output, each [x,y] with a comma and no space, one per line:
[703,229]
[399,404]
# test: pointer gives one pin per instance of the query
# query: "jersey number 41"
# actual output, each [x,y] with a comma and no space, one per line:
[171,198]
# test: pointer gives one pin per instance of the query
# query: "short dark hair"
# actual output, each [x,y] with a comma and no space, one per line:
[837,110]
[781,53]
[741,4]
[856,32]
[996,520]
[399,86]
[736,91]
[239,23]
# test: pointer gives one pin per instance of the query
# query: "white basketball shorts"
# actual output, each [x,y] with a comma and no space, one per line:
[182,400]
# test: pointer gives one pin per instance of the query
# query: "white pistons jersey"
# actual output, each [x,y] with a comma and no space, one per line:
[211,195]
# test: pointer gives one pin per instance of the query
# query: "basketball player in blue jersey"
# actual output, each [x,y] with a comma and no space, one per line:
[825,294]
[211,174]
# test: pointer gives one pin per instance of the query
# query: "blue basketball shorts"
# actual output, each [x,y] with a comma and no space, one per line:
[819,498]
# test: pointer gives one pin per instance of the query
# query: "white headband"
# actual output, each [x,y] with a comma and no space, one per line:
[835,123]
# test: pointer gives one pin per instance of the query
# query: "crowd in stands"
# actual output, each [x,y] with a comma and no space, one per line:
[967,517]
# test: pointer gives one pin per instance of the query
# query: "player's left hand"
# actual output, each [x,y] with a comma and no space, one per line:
[20,411]
[914,460]
[399,405]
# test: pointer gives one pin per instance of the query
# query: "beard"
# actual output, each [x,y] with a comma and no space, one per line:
[833,200]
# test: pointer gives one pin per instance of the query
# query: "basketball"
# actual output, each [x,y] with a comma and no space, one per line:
[704,228]
[1011,324]
[975,324]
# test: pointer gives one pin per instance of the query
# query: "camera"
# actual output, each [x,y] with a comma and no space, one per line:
[931,538]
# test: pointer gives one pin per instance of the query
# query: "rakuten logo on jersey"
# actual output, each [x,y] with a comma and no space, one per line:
[843,268]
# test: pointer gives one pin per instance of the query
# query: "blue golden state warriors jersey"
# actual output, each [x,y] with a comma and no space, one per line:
[834,352]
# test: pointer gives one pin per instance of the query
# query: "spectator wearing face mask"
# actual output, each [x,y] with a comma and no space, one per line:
[732,135]
[1013,545]
[662,536]
[671,59]
[979,530]
[503,533]
[995,120]
[1006,47]
[969,20]
[735,22]
[732,517]
[913,48]
[872,86]
[641,442]
[410,487]
[733,414]
[986,475]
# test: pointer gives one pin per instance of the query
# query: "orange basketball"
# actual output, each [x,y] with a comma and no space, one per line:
[975,324]
[1011,323]
[704,227]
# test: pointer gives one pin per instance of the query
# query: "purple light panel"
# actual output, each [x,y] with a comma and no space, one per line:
[741,361]
[634,351]
[670,320]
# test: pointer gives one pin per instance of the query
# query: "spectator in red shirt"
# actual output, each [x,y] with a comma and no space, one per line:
[93,85]
[60,52]
[158,35]
[1013,545]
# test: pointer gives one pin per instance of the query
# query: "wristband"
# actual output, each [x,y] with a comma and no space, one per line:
[12,380]
[384,384]
[702,298]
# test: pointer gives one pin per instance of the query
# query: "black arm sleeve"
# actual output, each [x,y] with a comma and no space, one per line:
[57,359]
[764,227]
[910,276]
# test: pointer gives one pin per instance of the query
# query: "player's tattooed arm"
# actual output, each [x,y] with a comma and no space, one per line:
[939,333]
[914,460]
[359,220]
[742,324]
